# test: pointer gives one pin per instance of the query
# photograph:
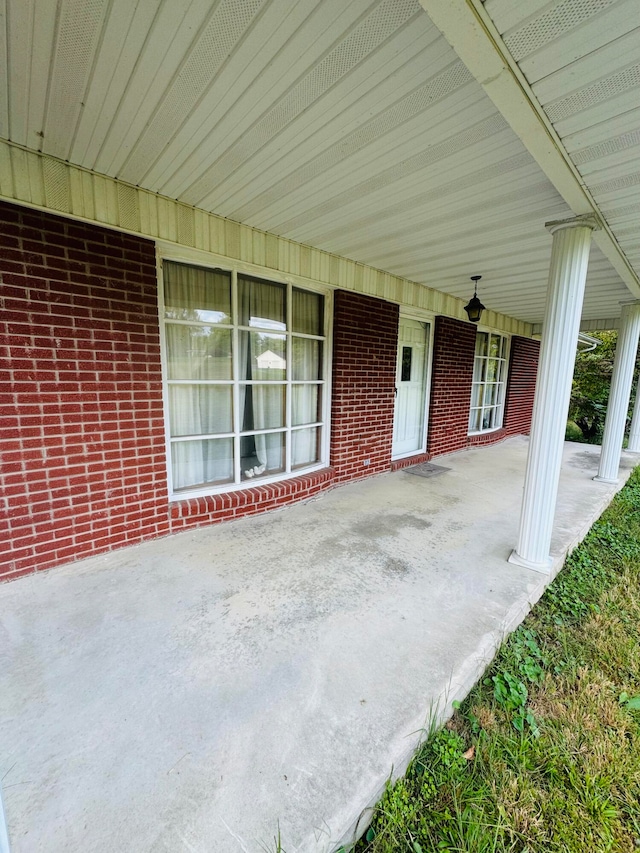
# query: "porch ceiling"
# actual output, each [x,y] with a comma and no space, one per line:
[355,128]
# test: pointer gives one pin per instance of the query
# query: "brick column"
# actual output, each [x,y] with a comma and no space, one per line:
[365,338]
[451,378]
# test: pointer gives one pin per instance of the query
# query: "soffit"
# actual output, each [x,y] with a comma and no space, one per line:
[582,61]
[352,127]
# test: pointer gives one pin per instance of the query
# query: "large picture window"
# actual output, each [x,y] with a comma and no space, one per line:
[245,381]
[489,378]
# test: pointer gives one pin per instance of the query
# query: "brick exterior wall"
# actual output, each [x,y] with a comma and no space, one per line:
[365,339]
[454,345]
[452,376]
[82,448]
[521,385]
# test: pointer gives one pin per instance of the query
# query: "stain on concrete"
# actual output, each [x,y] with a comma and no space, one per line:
[385,524]
[585,461]
[396,568]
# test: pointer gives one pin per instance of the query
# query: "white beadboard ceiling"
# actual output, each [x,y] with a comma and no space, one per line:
[351,126]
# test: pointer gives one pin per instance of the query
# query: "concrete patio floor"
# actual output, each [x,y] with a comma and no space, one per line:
[196,692]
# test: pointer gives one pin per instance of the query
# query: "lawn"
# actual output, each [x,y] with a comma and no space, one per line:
[544,754]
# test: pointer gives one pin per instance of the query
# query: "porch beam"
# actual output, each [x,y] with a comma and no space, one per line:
[565,292]
[621,379]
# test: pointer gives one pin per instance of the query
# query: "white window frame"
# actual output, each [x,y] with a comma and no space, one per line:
[196,257]
[499,402]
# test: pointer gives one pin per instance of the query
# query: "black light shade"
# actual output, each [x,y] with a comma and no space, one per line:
[474,307]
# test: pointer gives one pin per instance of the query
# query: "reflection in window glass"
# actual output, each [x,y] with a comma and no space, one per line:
[193,293]
[239,388]
[488,386]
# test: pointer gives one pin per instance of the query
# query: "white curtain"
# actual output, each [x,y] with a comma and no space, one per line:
[199,354]
[262,306]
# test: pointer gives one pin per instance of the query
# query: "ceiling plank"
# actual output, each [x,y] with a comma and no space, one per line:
[471,32]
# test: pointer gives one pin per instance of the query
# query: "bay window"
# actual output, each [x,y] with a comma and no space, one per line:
[245,377]
[489,380]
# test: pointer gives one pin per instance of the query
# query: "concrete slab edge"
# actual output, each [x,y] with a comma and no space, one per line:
[468,675]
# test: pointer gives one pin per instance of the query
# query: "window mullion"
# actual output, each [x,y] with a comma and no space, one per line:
[288,391]
[236,378]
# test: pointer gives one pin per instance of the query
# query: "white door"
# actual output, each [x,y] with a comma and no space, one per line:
[409,422]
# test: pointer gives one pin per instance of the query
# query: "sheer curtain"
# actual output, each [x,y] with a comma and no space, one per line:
[307,358]
[262,306]
[200,372]
[198,354]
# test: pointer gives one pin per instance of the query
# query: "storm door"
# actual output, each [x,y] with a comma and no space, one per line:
[409,423]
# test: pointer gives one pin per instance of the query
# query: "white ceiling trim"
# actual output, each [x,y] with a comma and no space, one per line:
[472,34]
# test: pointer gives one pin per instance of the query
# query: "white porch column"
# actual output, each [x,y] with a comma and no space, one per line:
[621,379]
[634,433]
[565,292]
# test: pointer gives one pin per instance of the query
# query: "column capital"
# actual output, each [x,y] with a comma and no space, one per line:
[586,220]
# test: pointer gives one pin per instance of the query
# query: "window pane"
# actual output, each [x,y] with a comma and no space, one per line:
[481,343]
[486,419]
[262,406]
[307,312]
[262,455]
[305,447]
[200,463]
[476,395]
[307,359]
[492,370]
[261,303]
[474,420]
[200,409]
[262,356]
[478,369]
[192,293]
[198,352]
[306,404]
[494,346]
[407,353]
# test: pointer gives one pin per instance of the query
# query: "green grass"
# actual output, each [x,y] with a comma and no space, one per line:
[544,754]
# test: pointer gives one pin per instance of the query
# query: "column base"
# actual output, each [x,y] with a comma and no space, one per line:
[606,480]
[631,449]
[544,568]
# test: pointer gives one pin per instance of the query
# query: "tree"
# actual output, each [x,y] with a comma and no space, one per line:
[591,383]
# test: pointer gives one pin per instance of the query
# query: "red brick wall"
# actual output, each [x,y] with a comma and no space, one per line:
[521,385]
[452,375]
[82,450]
[82,447]
[365,338]
[454,345]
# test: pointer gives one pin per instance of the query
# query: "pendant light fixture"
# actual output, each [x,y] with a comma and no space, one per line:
[474,307]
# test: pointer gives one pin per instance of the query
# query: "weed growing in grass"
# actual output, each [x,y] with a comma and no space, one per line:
[544,754]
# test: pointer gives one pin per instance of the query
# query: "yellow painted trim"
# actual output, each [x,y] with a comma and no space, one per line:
[37,180]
